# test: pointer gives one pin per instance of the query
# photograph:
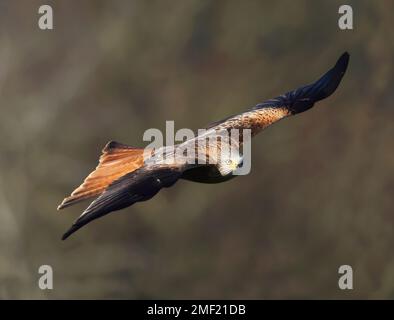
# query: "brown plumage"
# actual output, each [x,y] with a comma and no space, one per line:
[116,160]
[126,175]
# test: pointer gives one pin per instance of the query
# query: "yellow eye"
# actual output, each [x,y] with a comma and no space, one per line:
[229,162]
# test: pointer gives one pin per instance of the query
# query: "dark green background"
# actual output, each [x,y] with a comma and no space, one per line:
[321,189]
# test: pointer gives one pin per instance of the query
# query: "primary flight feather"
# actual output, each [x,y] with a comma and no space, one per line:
[126,175]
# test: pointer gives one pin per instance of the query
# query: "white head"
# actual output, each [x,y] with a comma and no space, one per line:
[228,165]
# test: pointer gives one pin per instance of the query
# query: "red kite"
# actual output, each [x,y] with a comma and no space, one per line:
[123,178]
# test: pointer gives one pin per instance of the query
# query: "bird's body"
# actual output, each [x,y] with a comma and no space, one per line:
[126,175]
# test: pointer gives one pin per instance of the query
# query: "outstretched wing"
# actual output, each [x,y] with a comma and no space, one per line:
[290,103]
[139,185]
[302,99]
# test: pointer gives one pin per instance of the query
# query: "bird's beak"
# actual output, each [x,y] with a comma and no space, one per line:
[234,166]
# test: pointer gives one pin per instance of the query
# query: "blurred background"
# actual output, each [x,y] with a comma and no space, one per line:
[320,194]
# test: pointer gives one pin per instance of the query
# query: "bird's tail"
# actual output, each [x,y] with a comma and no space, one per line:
[116,160]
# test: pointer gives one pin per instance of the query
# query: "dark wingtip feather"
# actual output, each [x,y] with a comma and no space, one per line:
[84,219]
[66,235]
[305,97]
[342,62]
[329,82]
[70,232]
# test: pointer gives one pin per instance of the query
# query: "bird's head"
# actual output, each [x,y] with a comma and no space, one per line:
[228,165]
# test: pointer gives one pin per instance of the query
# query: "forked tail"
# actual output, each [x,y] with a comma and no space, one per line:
[116,160]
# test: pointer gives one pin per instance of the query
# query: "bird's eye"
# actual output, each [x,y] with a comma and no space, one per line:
[228,161]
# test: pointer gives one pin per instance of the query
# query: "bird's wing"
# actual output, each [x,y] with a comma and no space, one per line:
[290,103]
[136,186]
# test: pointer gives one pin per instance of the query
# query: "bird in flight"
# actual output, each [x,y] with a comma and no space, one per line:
[126,175]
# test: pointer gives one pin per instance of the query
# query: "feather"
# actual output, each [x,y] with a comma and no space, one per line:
[140,185]
[116,160]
